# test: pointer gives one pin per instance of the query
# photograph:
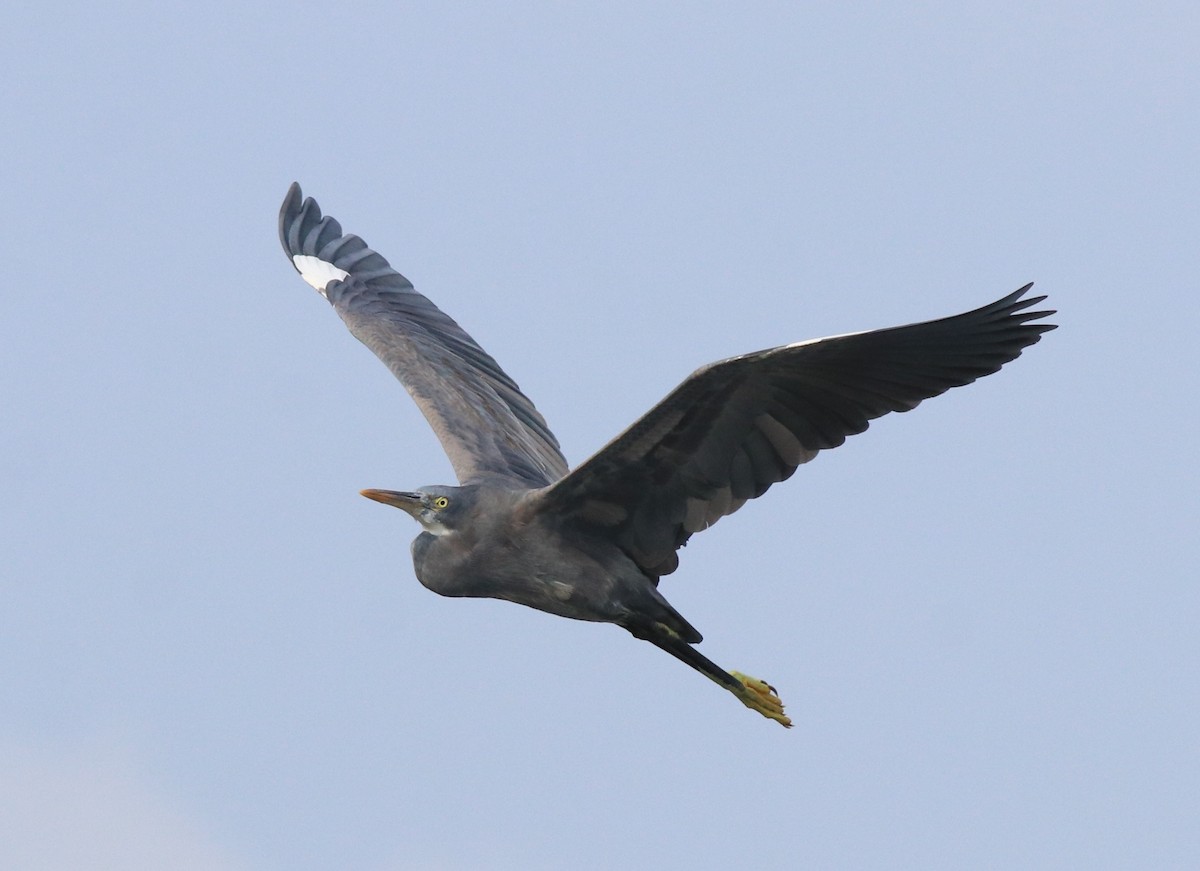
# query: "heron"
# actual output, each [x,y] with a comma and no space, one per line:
[592,543]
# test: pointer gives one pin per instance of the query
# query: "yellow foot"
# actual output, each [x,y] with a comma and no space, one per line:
[761,696]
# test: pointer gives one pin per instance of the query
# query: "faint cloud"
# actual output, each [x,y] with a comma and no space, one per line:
[72,807]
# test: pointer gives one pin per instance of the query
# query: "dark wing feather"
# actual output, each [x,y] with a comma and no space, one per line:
[738,426]
[488,428]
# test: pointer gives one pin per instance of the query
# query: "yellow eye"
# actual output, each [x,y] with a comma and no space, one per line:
[440,502]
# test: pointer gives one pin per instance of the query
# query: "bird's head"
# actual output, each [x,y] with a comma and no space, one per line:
[438,509]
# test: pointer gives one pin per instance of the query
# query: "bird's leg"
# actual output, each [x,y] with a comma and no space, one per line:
[752,692]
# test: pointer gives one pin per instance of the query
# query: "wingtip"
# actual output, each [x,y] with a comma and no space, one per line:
[292,204]
[1019,294]
[293,199]
[1028,302]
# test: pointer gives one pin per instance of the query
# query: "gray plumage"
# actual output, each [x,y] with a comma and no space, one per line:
[592,543]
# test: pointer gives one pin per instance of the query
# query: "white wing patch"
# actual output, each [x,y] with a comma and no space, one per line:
[824,339]
[318,272]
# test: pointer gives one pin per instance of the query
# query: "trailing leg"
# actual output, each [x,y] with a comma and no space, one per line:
[752,692]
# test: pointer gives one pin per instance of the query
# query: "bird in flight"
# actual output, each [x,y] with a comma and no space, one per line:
[592,543]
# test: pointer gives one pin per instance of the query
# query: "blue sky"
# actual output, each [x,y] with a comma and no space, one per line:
[982,615]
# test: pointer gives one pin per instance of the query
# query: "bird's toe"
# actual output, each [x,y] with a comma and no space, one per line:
[762,697]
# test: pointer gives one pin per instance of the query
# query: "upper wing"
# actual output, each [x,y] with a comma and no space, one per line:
[736,427]
[486,425]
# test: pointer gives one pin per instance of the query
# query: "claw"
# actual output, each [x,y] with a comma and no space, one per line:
[762,697]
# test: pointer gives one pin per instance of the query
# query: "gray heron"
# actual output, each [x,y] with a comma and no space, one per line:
[592,543]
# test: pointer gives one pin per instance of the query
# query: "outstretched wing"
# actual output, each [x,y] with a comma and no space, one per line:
[486,425]
[736,427]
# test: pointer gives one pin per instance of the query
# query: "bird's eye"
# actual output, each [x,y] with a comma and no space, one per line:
[440,502]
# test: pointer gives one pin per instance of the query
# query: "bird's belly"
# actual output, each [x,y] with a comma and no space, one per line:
[557,597]
[559,581]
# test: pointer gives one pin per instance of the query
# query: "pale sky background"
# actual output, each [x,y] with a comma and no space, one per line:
[982,615]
